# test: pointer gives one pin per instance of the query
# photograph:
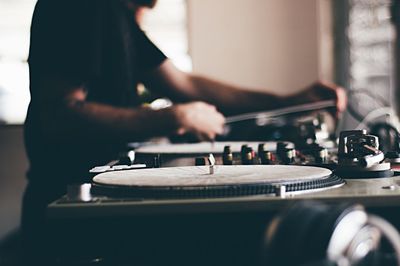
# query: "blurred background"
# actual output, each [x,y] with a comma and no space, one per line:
[277,45]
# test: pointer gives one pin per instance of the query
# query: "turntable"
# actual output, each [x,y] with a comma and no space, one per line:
[215,187]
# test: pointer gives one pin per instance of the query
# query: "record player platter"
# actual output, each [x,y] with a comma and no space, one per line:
[197,181]
[203,147]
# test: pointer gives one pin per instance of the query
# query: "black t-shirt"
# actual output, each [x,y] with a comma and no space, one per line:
[93,43]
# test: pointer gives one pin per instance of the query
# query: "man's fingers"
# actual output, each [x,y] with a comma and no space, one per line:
[201,119]
[341,99]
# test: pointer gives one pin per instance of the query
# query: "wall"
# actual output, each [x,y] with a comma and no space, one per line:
[13,165]
[278,44]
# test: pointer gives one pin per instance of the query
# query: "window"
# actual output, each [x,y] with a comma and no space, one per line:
[15,23]
[367,57]
[165,25]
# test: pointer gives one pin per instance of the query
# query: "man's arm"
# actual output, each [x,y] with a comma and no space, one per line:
[65,112]
[231,99]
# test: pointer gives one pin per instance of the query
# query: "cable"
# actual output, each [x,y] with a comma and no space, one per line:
[378,113]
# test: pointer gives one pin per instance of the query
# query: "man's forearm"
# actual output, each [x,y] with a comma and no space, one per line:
[183,87]
[100,121]
[231,99]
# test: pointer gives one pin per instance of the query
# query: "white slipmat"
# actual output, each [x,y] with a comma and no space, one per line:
[192,176]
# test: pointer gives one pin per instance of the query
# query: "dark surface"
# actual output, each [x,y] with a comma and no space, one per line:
[205,239]
[208,239]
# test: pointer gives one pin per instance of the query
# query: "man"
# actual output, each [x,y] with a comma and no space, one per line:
[86,59]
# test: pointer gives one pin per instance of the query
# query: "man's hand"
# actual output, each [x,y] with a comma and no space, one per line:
[199,118]
[320,91]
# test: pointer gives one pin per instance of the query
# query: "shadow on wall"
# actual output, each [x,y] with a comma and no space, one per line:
[13,166]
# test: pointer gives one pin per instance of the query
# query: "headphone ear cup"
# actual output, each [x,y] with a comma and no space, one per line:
[302,233]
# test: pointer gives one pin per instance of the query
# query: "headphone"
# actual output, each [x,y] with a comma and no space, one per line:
[316,234]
